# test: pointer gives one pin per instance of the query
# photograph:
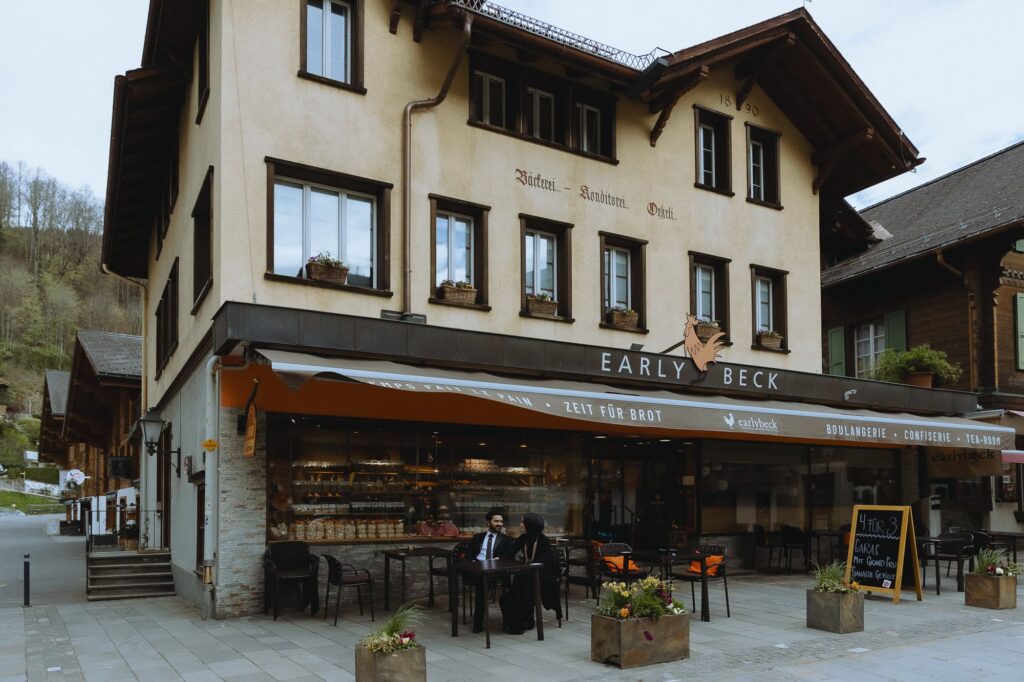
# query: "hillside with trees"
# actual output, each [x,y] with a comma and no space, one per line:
[51,284]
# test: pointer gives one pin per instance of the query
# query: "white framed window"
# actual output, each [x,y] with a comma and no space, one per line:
[454,248]
[490,99]
[617,278]
[540,114]
[706,158]
[311,219]
[705,283]
[869,342]
[329,39]
[756,170]
[541,274]
[590,128]
[763,304]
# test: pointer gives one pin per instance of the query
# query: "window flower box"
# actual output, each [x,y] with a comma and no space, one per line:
[462,293]
[624,318]
[706,329]
[540,305]
[323,268]
[769,338]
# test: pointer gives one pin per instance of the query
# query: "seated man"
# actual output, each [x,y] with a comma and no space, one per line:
[491,544]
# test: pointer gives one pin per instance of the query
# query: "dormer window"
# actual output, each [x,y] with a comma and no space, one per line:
[489,99]
[540,114]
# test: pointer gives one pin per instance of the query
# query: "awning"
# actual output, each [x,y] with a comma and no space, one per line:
[662,411]
[1013,456]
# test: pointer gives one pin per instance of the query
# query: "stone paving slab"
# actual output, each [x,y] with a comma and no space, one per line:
[765,639]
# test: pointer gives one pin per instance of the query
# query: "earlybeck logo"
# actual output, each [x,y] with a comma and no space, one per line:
[761,424]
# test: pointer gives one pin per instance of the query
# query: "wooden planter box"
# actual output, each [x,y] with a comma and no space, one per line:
[990,591]
[457,295]
[766,341]
[536,306]
[835,612]
[617,318]
[706,331]
[922,379]
[622,642]
[326,273]
[407,665]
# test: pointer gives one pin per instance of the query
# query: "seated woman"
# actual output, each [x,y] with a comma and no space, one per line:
[517,605]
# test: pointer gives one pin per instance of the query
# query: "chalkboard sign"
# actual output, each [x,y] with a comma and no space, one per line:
[880,538]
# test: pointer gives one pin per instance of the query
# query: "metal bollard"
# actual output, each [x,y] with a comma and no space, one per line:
[28,602]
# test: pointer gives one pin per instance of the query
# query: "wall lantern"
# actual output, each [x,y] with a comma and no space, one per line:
[152,427]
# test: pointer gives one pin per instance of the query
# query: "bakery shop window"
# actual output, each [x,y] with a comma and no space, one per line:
[353,480]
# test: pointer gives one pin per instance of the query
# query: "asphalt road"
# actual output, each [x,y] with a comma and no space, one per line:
[57,563]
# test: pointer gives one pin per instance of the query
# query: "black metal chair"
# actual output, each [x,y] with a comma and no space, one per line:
[794,538]
[762,540]
[345,575]
[584,551]
[712,572]
[459,553]
[562,554]
[608,570]
[290,562]
[955,547]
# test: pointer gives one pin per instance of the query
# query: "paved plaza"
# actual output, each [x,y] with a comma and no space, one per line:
[765,639]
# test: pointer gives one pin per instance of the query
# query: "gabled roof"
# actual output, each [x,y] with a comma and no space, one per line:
[981,198]
[55,397]
[113,355]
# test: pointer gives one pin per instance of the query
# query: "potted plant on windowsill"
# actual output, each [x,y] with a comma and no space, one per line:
[324,268]
[993,582]
[769,338]
[541,304]
[639,624]
[920,366]
[833,604]
[624,318]
[392,652]
[461,292]
[707,328]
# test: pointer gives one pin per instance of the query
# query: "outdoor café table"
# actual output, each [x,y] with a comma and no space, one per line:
[401,555]
[666,559]
[485,570]
[1010,537]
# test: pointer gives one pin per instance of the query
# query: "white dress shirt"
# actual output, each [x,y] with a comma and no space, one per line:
[482,556]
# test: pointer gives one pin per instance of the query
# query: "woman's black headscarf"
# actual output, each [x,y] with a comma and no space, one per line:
[534,524]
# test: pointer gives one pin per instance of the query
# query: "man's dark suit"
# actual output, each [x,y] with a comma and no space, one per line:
[504,548]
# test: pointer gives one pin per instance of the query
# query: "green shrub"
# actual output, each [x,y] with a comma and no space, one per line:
[894,365]
[49,475]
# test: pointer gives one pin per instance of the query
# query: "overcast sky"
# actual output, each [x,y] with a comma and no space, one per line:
[948,71]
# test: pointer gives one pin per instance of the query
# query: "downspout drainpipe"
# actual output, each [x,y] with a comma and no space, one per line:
[410,108]
[211,521]
[941,260]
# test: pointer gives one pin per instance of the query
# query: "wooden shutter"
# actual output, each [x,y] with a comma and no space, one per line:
[896,330]
[837,351]
[1018,308]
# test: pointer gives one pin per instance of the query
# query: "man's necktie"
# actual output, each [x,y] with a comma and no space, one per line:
[490,546]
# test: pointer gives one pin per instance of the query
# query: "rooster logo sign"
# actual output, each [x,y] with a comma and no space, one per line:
[703,353]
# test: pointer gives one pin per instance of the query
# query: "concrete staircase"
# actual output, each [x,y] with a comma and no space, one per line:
[129,575]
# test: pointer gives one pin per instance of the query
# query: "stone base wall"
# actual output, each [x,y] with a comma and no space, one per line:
[242,519]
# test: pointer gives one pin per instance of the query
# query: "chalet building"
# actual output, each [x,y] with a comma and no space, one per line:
[946,268]
[87,421]
[525,217]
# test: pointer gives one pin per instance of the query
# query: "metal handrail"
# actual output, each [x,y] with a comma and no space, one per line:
[559,35]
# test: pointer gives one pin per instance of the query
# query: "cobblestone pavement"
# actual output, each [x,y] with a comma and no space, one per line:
[765,639]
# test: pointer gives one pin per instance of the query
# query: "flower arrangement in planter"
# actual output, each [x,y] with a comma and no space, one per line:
[769,338]
[920,366]
[833,604]
[462,292]
[324,268]
[639,624]
[541,304]
[392,652]
[707,328]
[993,582]
[128,537]
[624,318]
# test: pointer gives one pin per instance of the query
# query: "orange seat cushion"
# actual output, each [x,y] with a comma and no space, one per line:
[712,562]
[615,563]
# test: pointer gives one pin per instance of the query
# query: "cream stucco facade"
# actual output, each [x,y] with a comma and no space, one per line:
[259,108]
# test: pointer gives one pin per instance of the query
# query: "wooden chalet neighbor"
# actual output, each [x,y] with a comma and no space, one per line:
[52,447]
